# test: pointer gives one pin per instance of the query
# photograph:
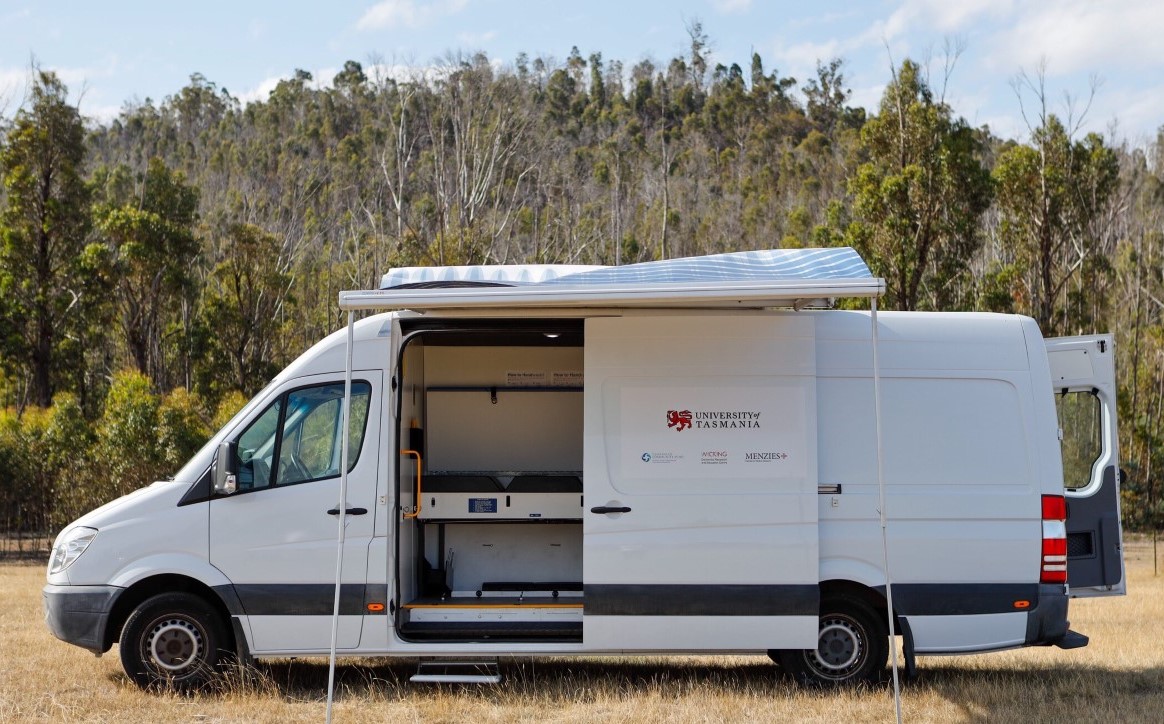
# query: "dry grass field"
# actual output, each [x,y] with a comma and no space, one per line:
[1119,677]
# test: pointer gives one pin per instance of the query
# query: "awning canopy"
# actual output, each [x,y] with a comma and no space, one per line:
[751,279]
[501,274]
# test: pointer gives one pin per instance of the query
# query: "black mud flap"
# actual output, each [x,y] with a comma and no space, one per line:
[1072,640]
[907,648]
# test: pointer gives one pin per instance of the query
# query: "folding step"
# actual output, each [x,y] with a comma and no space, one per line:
[457,672]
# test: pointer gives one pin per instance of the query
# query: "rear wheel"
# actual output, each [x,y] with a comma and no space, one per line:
[173,641]
[852,646]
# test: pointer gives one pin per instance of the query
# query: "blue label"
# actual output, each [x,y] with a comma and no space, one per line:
[482,505]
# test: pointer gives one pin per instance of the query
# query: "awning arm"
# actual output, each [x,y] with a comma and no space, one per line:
[881,504]
[342,508]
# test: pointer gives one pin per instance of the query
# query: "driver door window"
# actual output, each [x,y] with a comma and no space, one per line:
[302,431]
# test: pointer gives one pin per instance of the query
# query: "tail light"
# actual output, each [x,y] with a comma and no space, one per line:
[1054,562]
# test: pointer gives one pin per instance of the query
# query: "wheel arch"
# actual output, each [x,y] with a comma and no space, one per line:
[146,588]
[842,588]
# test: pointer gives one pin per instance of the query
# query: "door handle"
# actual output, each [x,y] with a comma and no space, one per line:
[610,509]
[349,511]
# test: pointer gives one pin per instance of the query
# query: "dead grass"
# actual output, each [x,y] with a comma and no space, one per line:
[1118,677]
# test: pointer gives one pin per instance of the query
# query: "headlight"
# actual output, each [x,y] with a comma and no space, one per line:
[70,547]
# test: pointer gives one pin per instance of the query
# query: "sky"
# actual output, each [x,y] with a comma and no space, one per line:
[126,51]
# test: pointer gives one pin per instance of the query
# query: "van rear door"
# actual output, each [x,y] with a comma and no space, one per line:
[700,512]
[1083,378]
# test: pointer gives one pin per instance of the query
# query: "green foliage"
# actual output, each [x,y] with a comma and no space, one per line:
[152,247]
[1050,197]
[42,232]
[241,308]
[183,428]
[69,440]
[129,453]
[45,456]
[227,408]
[209,240]
[919,198]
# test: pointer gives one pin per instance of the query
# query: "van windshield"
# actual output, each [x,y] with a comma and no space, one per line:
[200,461]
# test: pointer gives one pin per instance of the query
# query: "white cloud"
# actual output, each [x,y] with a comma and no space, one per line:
[942,16]
[1139,112]
[322,77]
[799,59]
[13,77]
[13,16]
[867,97]
[476,39]
[729,7]
[1075,35]
[393,14]
[102,114]
[891,36]
[262,91]
[14,84]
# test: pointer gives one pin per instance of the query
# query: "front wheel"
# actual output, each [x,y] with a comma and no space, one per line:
[852,646]
[173,641]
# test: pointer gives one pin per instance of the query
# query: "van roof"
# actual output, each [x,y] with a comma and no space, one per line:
[750,279]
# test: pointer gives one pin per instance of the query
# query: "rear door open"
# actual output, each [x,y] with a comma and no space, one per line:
[1083,378]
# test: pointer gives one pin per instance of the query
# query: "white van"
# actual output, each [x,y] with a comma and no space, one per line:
[679,456]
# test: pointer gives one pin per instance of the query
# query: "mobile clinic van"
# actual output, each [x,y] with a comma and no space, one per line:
[679,456]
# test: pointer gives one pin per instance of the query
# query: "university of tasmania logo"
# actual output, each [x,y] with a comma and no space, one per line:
[679,419]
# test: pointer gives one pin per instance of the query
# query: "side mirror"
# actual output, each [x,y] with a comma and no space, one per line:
[225,472]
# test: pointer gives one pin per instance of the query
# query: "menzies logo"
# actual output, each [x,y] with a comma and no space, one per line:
[679,419]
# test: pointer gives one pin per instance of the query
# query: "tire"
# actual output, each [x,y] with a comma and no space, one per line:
[173,641]
[852,648]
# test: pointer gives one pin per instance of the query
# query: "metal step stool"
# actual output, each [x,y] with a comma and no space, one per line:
[457,672]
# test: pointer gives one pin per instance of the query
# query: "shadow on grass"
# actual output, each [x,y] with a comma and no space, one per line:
[1039,693]
[547,680]
[980,694]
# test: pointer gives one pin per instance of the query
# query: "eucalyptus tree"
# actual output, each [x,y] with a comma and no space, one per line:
[918,199]
[1053,194]
[43,232]
[149,226]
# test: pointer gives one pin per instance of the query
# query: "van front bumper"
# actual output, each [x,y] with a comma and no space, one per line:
[79,614]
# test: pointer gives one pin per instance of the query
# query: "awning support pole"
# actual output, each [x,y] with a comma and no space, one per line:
[881,506]
[343,507]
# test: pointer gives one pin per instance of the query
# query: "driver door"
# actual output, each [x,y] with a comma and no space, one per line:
[275,539]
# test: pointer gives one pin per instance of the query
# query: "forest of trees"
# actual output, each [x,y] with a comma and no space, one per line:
[156,270]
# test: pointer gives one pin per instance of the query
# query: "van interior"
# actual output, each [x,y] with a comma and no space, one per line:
[490,481]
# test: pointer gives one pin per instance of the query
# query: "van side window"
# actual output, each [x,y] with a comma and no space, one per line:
[312,439]
[1081,421]
[256,444]
[298,437]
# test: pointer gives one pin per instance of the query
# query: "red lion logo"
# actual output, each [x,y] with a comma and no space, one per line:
[679,419]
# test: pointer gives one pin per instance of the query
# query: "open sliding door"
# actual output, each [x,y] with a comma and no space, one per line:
[700,511]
